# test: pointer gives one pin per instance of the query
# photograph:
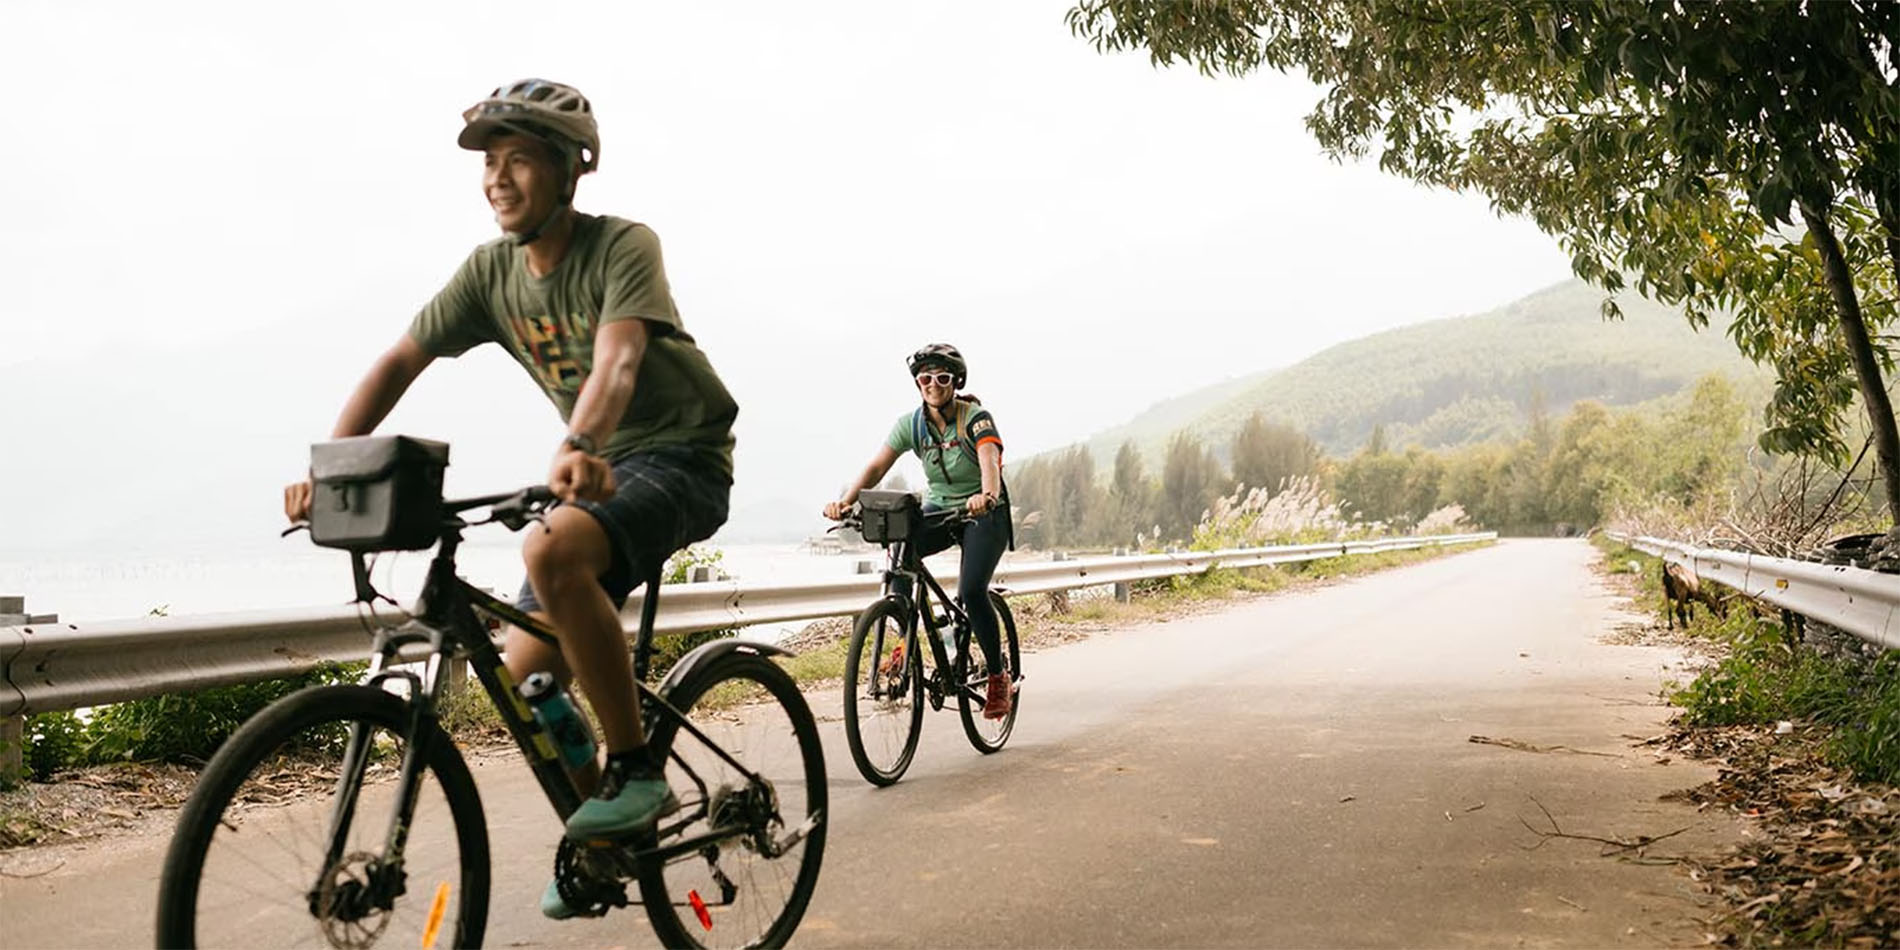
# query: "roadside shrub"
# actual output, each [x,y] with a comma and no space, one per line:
[667,650]
[1765,679]
[52,741]
[1301,512]
[181,727]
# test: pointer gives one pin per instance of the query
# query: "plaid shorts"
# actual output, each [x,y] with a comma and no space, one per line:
[664,499]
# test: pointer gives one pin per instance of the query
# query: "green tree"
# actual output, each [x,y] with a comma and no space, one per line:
[1728,157]
[1030,493]
[1474,478]
[1266,454]
[1372,486]
[1590,465]
[1190,481]
[1130,503]
[1699,445]
[1420,485]
[1377,444]
[1072,509]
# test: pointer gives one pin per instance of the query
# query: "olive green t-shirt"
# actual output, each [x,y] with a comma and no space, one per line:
[953,473]
[612,271]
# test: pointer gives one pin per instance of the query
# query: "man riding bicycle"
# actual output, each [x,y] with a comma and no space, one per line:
[963,461]
[582,302]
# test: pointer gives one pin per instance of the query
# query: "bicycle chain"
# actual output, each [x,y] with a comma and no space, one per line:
[583,890]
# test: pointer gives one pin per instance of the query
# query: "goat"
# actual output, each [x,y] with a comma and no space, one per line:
[1681,588]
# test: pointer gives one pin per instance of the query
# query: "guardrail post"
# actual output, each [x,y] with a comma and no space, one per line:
[866,567]
[702,573]
[1059,599]
[13,728]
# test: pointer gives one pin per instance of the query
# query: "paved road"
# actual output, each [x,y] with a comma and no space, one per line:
[1294,770]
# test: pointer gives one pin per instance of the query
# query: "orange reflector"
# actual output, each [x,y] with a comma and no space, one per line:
[436,910]
[699,907]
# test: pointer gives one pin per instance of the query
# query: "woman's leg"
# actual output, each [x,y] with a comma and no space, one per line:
[983,543]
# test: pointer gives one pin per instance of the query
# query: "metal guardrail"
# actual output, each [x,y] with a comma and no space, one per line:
[46,667]
[1862,602]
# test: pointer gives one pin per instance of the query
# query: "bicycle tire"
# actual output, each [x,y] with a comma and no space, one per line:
[864,712]
[224,807]
[795,770]
[989,735]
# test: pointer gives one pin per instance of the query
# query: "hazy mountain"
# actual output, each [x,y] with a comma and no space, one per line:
[1455,381]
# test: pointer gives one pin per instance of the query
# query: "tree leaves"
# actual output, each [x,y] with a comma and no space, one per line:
[1668,142]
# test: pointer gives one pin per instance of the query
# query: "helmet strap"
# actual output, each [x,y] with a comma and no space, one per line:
[565,160]
[533,234]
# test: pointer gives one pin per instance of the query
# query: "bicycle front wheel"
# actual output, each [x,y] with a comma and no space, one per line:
[750,778]
[287,840]
[988,735]
[883,692]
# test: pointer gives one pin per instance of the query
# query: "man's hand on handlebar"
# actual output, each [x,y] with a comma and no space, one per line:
[297,501]
[979,504]
[578,476]
[837,510]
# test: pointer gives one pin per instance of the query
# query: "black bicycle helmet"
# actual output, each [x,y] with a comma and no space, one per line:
[943,355]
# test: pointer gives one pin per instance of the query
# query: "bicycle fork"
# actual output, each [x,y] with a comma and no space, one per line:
[383,880]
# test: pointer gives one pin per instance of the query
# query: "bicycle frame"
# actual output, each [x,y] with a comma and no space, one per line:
[917,585]
[447,620]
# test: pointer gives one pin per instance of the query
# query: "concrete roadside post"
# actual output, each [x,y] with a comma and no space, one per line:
[1123,593]
[13,728]
[1059,599]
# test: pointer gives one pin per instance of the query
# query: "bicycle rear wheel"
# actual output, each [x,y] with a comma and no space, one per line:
[988,735]
[749,885]
[883,701]
[250,863]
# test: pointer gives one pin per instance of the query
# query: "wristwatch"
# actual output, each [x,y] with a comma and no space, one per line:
[581,442]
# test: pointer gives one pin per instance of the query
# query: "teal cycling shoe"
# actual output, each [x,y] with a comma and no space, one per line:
[623,806]
[552,906]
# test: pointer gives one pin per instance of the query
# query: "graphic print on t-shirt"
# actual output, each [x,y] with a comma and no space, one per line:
[552,354]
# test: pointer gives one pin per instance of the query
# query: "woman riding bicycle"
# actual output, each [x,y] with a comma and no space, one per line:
[956,439]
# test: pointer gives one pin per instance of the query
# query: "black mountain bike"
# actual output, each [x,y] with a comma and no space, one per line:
[896,664]
[342,815]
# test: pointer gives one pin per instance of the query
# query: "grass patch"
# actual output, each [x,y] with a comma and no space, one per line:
[1765,678]
[819,663]
[1620,558]
[468,713]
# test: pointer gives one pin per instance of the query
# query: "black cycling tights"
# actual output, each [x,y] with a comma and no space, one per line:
[984,539]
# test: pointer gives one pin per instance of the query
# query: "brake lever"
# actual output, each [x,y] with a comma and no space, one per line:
[294,528]
[516,513]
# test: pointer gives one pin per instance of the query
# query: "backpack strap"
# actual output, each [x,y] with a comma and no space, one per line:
[964,412]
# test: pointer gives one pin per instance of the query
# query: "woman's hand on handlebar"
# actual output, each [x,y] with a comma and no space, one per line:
[979,505]
[837,510]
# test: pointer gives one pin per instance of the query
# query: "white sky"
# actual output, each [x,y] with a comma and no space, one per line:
[218,213]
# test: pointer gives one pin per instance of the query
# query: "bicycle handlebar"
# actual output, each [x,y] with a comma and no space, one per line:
[951,517]
[534,496]
[512,509]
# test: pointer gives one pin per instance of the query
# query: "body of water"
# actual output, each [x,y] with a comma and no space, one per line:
[295,573]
